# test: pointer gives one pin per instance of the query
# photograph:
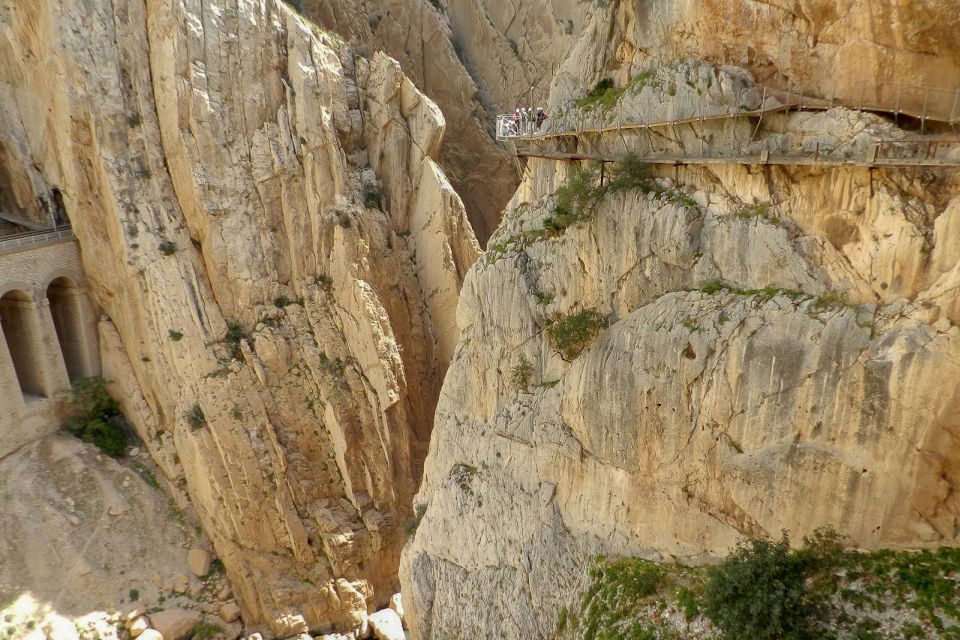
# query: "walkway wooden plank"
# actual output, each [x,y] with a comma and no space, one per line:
[757,159]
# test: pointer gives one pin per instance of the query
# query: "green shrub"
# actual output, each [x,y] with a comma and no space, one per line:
[96,416]
[372,198]
[689,602]
[575,199]
[206,630]
[418,512]
[760,592]
[615,596]
[521,375]
[235,334]
[175,335]
[167,248]
[195,416]
[462,475]
[630,173]
[134,595]
[602,95]
[571,334]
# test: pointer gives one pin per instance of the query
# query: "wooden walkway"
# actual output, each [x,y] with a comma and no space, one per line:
[884,153]
[751,159]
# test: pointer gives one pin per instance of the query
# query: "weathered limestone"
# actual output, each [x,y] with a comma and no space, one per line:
[175,624]
[199,561]
[277,257]
[59,494]
[475,59]
[880,53]
[700,413]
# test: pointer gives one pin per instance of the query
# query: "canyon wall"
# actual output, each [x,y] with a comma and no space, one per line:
[900,56]
[772,344]
[475,59]
[277,257]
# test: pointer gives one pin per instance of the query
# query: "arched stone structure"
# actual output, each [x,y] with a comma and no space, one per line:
[48,336]
[67,309]
[21,333]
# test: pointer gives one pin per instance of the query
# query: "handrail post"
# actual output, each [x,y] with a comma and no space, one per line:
[953,110]
[923,115]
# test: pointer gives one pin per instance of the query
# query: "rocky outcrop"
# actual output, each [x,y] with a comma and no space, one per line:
[474,59]
[742,360]
[767,344]
[859,52]
[277,256]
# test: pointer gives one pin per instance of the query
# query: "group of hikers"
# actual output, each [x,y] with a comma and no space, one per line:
[526,121]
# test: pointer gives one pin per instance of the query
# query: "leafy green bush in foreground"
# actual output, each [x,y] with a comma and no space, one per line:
[96,416]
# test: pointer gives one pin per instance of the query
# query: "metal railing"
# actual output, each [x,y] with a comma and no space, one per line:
[31,238]
[508,127]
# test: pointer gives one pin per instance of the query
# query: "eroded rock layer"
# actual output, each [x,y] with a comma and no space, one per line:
[277,257]
[702,413]
[775,345]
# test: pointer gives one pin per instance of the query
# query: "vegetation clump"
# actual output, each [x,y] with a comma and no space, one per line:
[418,512]
[462,475]
[760,592]
[195,416]
[167,247]
[767,590]
[521,375]
[96,416]
[372,198]
[234,336]
[206,630]
[603,95]
[573,333]
[576,199]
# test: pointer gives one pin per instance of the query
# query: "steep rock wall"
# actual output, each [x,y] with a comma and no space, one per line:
[277,255]
[475,59]
[701,413]
[889,54]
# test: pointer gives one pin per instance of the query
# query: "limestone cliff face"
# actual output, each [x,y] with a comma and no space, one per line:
[277,256]
[902,56]
[695,418]
[474,59]
[776,351]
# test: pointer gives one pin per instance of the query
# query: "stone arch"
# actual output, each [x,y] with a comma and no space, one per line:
[66,309]
[18,321]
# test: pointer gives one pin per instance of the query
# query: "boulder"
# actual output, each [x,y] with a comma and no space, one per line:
[150,634]
[137,626]
[396,603]
[386,625]
[199,561]
[230,611]
[175,624]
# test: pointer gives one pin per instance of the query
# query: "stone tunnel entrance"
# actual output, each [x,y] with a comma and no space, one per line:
[65,307]
[18,319]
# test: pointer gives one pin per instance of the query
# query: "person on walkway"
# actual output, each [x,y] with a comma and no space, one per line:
[541,116]
[516,121]
[524,121]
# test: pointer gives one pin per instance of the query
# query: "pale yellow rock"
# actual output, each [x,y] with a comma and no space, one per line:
[697,416]
[386,625]
[138,625]
[199,561]
[230,611]
[396,603]
[175,624]
[266,187]
[151,634]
